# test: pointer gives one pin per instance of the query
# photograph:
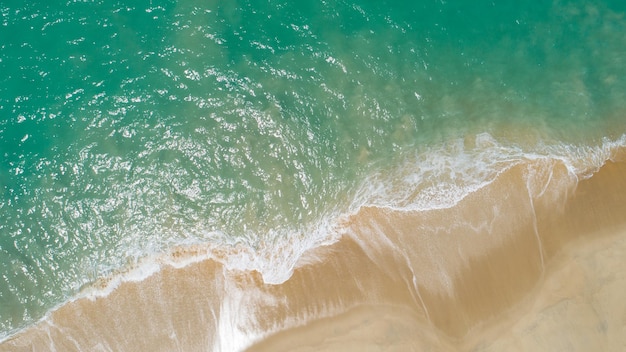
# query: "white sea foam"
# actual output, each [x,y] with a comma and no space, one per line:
[442,176]
[436,178]
[274,260]
[433,179]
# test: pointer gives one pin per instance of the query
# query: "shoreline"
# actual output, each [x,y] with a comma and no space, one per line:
[368,327]
[405,268]
[566,277]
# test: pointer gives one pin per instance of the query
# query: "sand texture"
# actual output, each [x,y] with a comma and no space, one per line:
[535,261]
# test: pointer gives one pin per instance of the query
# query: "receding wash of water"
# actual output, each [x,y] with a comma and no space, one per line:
[256,130]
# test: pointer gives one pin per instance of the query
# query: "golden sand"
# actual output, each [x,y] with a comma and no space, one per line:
[516,266]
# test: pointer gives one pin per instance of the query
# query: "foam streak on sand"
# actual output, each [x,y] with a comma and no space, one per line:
[528,260]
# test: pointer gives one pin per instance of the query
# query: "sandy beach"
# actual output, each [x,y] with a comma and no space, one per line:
[565,296]
[313,176]
[532,262]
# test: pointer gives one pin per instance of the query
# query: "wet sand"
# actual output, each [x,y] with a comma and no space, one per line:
[533,262]
[559,288]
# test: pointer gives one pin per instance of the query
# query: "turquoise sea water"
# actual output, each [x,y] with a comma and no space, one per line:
[130,127]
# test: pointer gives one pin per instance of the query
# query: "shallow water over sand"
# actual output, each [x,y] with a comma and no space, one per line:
[476,275]
[268,145]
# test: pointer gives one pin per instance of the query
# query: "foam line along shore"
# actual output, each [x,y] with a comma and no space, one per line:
[454,270]
[258,168]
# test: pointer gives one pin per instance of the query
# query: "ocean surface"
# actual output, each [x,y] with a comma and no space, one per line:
[131,128]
